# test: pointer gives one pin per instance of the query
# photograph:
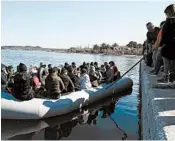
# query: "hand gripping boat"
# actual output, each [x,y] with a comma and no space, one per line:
[38,108]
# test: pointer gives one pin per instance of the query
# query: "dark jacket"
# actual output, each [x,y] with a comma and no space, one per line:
[76,80]
[168,39]
[94,79]
[22,89]
[69,86]
[54,84]
[152,36]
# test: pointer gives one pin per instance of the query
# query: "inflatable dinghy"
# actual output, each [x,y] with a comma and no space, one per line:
[39,108]
[12,128]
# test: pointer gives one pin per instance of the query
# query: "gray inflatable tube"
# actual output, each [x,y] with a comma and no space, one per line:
[38,108]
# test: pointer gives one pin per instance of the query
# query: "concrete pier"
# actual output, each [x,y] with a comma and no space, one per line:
[157,108]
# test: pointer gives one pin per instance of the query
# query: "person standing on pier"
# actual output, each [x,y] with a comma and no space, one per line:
[168,43]
[151,39]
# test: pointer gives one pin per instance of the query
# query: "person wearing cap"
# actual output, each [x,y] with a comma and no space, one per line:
[22,88]
[85,82]
[69,86]
[168,44]
[54,84]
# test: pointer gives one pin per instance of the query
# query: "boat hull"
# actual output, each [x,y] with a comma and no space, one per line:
[38,108]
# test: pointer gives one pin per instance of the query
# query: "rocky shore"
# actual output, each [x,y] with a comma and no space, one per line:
[118,50]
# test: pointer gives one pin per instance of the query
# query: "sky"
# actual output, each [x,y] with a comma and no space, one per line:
[65,24]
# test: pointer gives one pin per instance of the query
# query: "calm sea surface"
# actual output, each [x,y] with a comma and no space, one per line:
[92,125]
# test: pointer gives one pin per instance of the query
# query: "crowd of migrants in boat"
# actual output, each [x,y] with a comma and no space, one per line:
[159,48]
[52,82]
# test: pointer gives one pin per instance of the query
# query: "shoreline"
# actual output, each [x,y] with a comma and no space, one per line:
[79,51]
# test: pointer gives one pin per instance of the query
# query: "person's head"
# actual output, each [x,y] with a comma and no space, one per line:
[41,64]
[105,63]
[88,64]
[111,63]
[22,67]
[66,64]
[170,11]
[50,66]
[84,63]
[73,64]
[150,26]
[161,24]
[107,67]
[84,71]
[92,63]
[95,63]
[64,71]
[44,66]
[10,68]
[70,69]
[102,66]
[53,70]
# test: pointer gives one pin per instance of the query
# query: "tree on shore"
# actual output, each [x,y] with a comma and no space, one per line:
[96,47]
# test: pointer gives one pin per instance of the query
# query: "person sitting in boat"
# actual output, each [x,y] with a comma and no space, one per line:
[100,77]
[75,79]
[85,82]
[78,72]
[96,65]
[66,65]
[93,77]
[88,67]
[103,70]
[105,64]
[35,81]
[22,89]
[116,73]
[4,79]
[54,84]
[109,74]
[69,86]
[10,71]
[49,66]
[42,74]
[84,66]
[74,66]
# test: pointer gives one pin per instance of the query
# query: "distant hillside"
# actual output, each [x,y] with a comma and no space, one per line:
[132,48]
[32,48]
